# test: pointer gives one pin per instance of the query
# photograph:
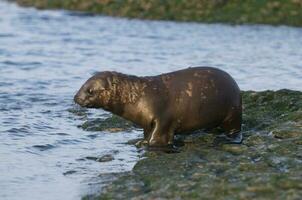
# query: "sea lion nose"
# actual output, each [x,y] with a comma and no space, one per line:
[77,99]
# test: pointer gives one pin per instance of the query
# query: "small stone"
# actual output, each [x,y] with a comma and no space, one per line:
[105,158]
[298,142]
[254,140]
[113,130]
[284,134]
[234,148]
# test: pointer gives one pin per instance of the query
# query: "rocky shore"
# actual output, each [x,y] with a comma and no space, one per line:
[267,165]
[286,12]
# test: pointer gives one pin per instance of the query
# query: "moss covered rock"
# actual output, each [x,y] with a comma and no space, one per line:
[227,11]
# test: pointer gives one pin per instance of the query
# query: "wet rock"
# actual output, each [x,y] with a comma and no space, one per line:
[111,124]
[287,133]
[298,141]
[235,149]
[255,140]
[78,111]
[139,143]
[104,158]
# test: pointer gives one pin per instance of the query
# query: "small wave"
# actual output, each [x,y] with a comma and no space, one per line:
[5,84]
[43,147]
[69,141]
[62,134]
[69,172]
[7,35]
[15,63]
[34,99]
[19,130]
[79,14]
[93,136]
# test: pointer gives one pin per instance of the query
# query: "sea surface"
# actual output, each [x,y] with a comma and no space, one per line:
[45,56]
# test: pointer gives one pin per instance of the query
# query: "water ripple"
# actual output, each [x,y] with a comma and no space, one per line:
[44,147]
[18,131]
[9,62]
[9,35]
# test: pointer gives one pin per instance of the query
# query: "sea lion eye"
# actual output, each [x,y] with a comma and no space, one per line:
[90,91]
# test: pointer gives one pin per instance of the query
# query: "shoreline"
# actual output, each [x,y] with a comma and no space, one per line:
[287,12]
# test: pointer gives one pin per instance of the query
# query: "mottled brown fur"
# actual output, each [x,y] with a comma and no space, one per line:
[180,101]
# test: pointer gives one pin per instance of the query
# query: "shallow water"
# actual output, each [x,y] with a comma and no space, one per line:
[45,56]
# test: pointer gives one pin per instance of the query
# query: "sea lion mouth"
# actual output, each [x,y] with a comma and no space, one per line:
[77,99]
[88,105]
[82,102]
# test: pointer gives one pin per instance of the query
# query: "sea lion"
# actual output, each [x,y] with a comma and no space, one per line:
[168,104]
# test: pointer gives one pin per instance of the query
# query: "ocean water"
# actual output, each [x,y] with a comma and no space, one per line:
[45,56]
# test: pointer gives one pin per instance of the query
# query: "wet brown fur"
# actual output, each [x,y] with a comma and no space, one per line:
[163,105]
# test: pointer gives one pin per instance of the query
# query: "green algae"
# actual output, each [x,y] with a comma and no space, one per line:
[110,124]
[287,12]
[267,165]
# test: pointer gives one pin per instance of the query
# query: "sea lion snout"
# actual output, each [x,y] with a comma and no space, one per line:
[94,93]
[81,99]
[77,99]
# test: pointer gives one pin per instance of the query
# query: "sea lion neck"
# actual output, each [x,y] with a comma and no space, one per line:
[124,90]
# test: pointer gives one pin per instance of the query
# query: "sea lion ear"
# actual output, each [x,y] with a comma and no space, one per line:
[109,82]
[97,83]
[103,84]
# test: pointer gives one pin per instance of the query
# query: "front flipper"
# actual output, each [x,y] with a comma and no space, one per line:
[141,143]
[162,134]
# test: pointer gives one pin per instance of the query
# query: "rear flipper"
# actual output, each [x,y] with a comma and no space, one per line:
[232,126]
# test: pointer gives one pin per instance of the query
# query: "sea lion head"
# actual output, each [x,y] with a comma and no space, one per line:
[95,92]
